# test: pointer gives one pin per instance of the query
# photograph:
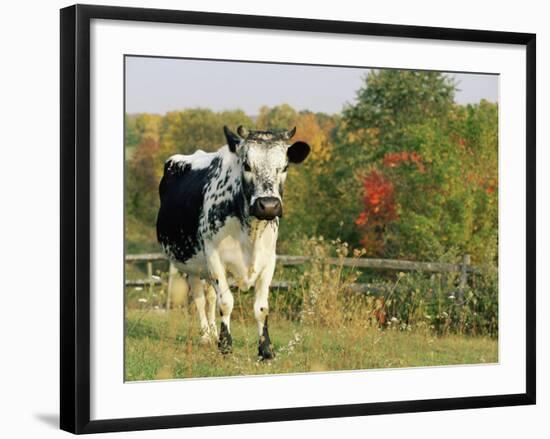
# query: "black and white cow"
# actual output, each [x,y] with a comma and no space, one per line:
[219,219]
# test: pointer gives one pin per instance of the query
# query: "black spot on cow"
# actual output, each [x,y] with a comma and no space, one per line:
[181,193]
[230,207]
[267,186]
[247,189]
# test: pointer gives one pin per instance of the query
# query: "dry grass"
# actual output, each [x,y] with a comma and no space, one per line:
[163,345]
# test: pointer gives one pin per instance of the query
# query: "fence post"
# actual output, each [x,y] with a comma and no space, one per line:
[150,275]
[463,281]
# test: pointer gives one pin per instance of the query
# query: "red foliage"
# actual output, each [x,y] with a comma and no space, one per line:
[379,202]
[379,198]
[394,159]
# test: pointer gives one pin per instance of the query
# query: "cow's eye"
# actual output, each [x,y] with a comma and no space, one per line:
[247,167]
[285,168]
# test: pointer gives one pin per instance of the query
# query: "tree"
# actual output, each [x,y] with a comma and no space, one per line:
[142,182]
[131,134]
[392,100]
[427,166]
[184,132]
[280,117]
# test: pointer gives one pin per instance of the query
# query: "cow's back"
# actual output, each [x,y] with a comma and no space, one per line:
[181,193]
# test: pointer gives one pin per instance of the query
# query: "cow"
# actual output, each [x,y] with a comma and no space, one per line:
[219,219]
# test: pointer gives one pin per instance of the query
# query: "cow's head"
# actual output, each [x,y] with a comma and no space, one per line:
[264,157]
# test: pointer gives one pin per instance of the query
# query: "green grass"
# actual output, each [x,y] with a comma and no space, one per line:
[162,345]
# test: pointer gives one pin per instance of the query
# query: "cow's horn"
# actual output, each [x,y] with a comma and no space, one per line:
[242,131]
[287,135]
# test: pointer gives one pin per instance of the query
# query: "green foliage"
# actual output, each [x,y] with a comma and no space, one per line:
[397,300]
[141,179]
[392,100]
[387,105]
[449,197]
[131,133]
[418,300]
[184,132]
[279,117]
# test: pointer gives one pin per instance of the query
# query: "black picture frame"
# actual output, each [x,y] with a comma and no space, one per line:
[75,217]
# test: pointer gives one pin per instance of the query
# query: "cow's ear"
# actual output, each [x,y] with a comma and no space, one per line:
[232,139]
[297,152]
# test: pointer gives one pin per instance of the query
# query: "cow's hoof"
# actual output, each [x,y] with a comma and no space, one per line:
[225,342]
[207,339]
[265,349]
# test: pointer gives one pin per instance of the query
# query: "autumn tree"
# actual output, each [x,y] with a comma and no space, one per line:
[142,181]
[186,131]
[279,117]
[423,167]
[131,133]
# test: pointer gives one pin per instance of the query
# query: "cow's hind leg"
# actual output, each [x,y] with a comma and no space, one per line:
[224,299]
[211,310]
[197,289]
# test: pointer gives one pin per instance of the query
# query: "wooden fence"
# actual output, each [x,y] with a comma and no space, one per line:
[464,268]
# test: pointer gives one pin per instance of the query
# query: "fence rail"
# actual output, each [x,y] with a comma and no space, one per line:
[275,285]
[388,264]
[463,268]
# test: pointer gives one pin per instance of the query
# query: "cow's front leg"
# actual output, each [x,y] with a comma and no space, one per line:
[225,307]
[261,312]
[224,300]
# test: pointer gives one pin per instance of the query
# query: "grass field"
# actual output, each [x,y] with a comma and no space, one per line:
[162,345]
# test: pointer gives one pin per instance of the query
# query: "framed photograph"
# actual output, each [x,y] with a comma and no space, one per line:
[275,218]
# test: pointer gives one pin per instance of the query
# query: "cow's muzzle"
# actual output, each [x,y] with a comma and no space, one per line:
[266,208]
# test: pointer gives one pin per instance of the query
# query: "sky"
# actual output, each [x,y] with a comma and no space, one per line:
[159,85]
